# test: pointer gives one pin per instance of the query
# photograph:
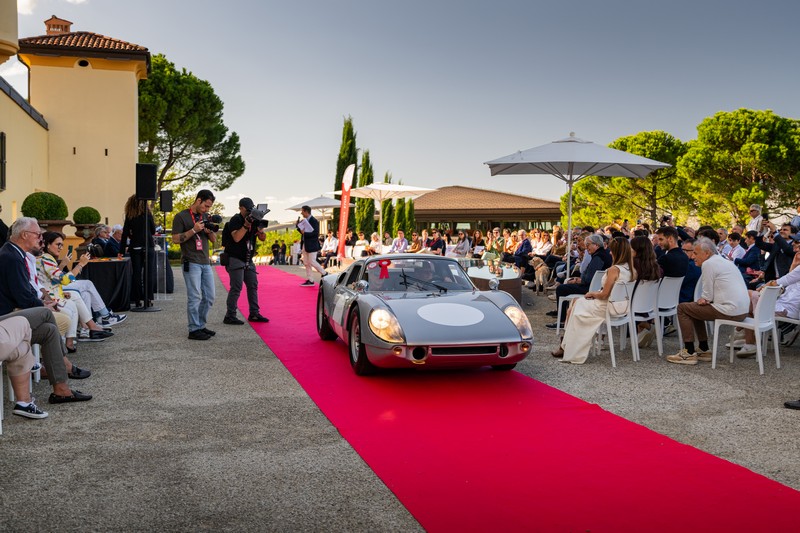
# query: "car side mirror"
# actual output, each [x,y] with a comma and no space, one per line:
[362,286]
[494,284]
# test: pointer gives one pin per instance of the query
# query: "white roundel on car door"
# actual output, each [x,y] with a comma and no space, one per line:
[449,314]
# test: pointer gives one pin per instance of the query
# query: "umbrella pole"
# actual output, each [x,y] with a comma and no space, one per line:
[569,229]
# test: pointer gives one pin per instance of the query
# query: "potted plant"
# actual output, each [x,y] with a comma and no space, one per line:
[85,219]
[47,208]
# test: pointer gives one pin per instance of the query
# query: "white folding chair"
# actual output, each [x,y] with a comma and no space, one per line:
[644,305]
[669,291]
[788,320]
[357,250]
[348,251]
[622,291]
[2,402]
[594,285]
[763,322]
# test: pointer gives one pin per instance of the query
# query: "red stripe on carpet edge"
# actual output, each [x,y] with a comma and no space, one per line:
[480,450]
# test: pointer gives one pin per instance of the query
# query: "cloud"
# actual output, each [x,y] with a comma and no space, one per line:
[11,69]
[77,1]
[26,7]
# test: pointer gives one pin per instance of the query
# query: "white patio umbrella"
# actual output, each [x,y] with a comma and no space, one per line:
[321,204]
[386,191]
[571,160]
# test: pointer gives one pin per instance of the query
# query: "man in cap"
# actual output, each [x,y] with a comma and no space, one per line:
[239,239]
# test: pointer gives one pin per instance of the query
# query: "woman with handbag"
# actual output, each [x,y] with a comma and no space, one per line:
[589,312]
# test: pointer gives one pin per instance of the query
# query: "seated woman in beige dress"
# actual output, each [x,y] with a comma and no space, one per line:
[589,312]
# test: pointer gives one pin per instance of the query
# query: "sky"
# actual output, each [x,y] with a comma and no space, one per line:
[437,88]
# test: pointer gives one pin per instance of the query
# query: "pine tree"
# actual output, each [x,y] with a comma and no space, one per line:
[348,155]
[365,207]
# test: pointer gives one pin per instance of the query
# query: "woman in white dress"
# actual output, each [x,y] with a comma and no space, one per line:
[589,312]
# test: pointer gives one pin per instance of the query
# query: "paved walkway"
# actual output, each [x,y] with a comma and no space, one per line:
[187,435]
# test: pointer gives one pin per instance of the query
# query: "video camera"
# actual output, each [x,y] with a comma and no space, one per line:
[212,222]
[256,216]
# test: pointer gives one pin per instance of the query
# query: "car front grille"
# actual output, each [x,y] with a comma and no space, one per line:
[464,350]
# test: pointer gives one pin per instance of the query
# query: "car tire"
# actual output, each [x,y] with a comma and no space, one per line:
[358,354]
[504,367]
[324,329]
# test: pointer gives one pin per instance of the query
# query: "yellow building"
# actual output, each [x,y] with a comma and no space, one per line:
[77,135]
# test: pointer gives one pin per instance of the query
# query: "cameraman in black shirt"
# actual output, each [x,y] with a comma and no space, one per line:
[239,239]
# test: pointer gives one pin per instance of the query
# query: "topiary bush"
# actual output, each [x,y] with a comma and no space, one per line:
[45,206]
[86,215]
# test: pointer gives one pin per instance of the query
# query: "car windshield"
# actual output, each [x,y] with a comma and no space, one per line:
[416,275]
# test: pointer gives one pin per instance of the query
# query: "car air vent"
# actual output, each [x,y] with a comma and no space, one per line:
[464,350]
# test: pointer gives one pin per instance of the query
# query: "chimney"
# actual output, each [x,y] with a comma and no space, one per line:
[57,26]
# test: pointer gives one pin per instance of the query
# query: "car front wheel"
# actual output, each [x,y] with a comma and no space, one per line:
[324,329]
[358,354]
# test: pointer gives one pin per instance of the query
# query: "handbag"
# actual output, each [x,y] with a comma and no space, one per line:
[615,305]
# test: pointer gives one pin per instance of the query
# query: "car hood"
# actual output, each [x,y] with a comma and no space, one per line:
[454,318]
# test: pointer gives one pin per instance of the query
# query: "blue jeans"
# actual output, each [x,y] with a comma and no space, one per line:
[200,294]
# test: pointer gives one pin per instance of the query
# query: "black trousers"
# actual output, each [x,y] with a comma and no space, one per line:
[241,272]
[138,281]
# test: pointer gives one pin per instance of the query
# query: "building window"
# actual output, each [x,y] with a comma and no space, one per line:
[2,160]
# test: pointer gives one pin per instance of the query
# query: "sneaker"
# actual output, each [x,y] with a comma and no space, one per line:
[112,320]
[645,337]
[747,350]
[703,356]
[199,335]
[739,334]
[683,358]
[792,405]
[31,411]
[257,318]
[552,297]
[232,321]
[669,329]
[738,343]
[94,336]
[209,332]
[307,283]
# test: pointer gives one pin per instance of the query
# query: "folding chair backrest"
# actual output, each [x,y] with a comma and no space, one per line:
[669,291]
[357,251]
[621,291]
[597,281]
[765,308]
[698,289]
[645,297]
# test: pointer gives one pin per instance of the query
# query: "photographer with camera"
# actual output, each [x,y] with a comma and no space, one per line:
[239,239]
[193,229]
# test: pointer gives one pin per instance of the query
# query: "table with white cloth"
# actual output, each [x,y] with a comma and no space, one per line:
[507,274]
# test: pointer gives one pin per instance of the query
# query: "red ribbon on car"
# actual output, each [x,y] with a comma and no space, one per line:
[384,264]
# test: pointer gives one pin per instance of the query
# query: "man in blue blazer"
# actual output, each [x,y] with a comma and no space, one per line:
[309,245]
[16,292]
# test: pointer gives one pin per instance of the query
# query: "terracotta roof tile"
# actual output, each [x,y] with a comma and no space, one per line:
[79,40]
[469,198]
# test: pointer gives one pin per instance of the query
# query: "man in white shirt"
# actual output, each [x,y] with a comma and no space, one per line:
[736,251]
[400,244]
[723,247]
[724,296]
[755,218]
[329,248]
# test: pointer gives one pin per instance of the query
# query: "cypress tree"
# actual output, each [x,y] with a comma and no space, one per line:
[411,223]
[348,155]
[387,209]
[365,207]
[399,216]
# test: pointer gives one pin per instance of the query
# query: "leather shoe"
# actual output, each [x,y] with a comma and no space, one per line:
[77,396]
[258,318]
[78,373]
[554,325]
[792,405]
[553,313]
[232,321]
[209,332]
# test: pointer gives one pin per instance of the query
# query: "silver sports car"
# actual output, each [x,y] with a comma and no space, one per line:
[410,310]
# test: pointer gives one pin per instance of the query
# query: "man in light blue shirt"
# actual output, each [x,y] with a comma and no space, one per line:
[400,244]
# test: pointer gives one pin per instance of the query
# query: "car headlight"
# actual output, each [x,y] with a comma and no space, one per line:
[385,326]
[517,316]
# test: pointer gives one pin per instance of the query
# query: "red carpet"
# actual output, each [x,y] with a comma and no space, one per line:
[484,450]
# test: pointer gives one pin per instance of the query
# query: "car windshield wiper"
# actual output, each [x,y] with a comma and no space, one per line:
[419,281]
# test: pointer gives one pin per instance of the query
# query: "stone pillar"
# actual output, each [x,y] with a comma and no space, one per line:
[9,37]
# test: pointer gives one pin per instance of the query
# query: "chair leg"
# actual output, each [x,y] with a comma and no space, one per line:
[660,334]
[558,317]
[611,345]
[678,328]
[759,352]
[714,346]
[776,345]
[730,343]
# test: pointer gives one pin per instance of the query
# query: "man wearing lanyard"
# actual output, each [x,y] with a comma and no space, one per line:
[189,230]
[239,238]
